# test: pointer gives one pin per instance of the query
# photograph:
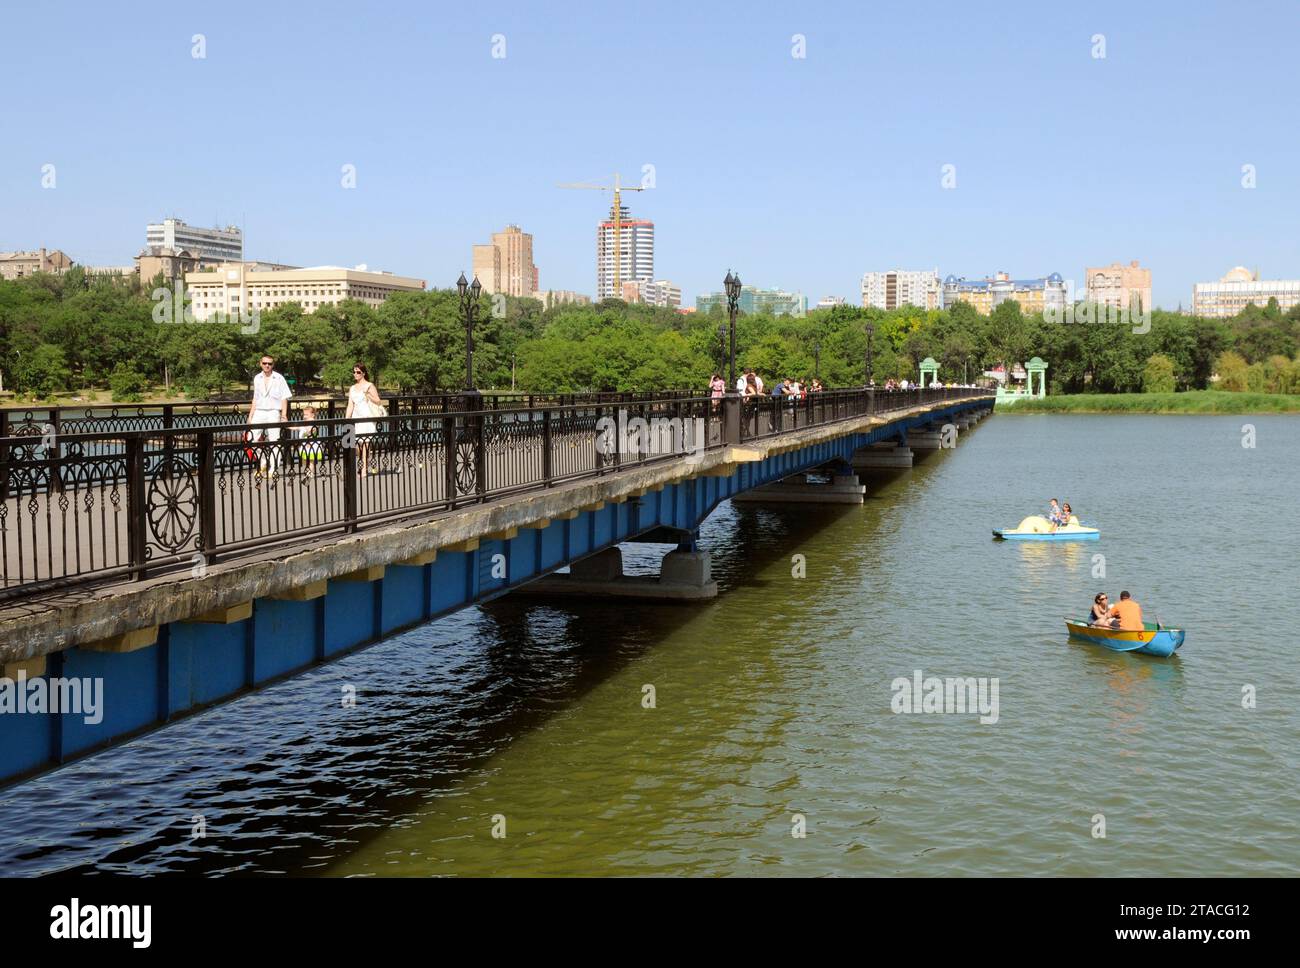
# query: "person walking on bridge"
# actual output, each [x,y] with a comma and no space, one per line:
[270,404]
[363,401]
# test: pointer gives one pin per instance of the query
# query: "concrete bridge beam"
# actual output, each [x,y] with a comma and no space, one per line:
[888,454]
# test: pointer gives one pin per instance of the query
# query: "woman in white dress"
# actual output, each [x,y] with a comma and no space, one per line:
[363,401]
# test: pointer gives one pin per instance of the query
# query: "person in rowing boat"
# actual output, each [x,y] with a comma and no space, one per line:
[1066,514]
[1100,616]
[1128,613]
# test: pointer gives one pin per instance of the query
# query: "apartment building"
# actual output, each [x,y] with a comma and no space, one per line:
[898,287]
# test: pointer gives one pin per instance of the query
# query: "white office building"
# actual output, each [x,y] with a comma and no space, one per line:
[889,290]
[240,288]
[1240,287]
[210,245]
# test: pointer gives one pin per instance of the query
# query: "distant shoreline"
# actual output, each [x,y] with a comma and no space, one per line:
[1191,402]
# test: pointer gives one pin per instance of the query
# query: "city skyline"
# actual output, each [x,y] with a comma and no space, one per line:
[1034,192]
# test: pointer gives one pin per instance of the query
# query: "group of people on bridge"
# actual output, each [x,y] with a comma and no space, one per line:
[750,384]
[270,406]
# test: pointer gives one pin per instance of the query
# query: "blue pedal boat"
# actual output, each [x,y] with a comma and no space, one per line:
[1036,528]
[1154,639]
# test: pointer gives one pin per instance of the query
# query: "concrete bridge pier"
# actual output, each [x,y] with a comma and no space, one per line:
[685,575]
[925,439]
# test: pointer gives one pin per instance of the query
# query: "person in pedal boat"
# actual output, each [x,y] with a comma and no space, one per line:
[1128,612]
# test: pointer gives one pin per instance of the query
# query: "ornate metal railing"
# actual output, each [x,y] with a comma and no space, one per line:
[124,504]
[111,418]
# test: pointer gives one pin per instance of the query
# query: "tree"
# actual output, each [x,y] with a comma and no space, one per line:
[43,371]
[1008,335]
[126,384]
[1278,375]
[1232,370]
[1158,376]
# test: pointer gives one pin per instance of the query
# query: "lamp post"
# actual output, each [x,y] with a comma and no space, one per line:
[732,286]
[469,309]
[871,332]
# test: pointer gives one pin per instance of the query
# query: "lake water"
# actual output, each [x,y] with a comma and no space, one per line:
[772,703]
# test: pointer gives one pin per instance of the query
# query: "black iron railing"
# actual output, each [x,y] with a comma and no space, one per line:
[110,418]
[125,503]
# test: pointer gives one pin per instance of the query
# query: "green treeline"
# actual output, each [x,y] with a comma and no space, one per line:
[1191,401]
[69,333]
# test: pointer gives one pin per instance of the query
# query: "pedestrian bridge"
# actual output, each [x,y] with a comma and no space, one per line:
[160,556]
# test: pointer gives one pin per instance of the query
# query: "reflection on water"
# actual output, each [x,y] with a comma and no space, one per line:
[774,700]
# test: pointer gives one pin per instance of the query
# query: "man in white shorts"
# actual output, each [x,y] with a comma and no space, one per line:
[270,405]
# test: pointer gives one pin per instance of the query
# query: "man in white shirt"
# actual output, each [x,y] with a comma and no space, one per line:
[270,405]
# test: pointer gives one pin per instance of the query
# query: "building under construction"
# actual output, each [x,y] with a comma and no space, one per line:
[637,255]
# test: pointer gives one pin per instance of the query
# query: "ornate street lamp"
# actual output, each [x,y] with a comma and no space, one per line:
[469,309]
[732,286]
[871,332]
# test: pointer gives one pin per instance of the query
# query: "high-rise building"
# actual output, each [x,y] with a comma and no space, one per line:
[1034,295]
[1240,287]
[636,253]
[487,268]
[889,290]
[505,264]
[16,265]
[213,245]
[1120,285]
[778,302]
[240,288]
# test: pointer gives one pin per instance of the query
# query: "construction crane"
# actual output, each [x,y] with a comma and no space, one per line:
[617,188]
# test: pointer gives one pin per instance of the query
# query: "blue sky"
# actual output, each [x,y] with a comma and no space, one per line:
[799,172]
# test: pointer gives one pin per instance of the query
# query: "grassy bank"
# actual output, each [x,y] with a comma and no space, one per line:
[1194,401]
